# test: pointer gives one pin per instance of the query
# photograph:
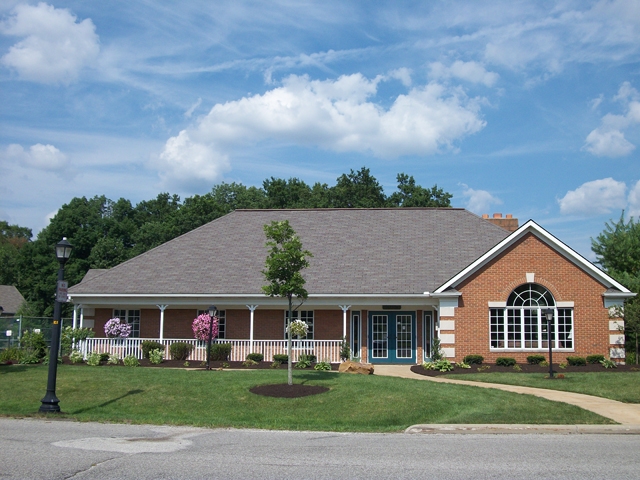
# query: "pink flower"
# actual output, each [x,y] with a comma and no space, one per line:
[201,327]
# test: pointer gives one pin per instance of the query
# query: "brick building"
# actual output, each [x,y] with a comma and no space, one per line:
[388,280]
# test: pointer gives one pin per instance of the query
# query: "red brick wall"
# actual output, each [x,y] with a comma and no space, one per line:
[496,281]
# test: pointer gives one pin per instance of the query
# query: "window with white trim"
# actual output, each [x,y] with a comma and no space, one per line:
[304,315]
[522,324]
[132,317]
[222,322]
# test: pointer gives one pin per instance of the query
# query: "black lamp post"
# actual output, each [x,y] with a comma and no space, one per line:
[548,313]
[213,310]
[50,401]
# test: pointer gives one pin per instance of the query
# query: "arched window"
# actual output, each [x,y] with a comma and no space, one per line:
[521,324]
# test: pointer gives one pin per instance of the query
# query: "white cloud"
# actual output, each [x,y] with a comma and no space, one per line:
[469,71]
[608,139]
[479,201]
[192,108]
[594,198]
[54,47]
[184,162]
[332,114]
[634,201]
[41,157]
[402,74]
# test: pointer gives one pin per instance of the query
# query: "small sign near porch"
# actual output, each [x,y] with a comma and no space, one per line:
[61,292]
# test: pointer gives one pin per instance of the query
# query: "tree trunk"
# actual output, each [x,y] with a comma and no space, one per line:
[289,366]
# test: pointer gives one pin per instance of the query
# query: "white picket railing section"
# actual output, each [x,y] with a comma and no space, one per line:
[324,350]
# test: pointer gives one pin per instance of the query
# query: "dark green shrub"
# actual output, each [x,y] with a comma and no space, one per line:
[220,352]
[505,361]
[535,359]
[307,358]
[256,357]
[473,359]
[597,358]
[281,358]
[577,361]
[104,357]
[148,345]
[180,350]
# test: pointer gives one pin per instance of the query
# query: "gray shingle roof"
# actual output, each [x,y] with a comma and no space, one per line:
[10,299]
[356,251]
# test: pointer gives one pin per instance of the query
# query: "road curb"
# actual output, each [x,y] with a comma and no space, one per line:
[470,429]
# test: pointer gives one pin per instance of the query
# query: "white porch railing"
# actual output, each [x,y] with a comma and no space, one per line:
[324,350]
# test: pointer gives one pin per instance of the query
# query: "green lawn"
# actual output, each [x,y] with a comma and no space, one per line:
[623,386]
[222,399]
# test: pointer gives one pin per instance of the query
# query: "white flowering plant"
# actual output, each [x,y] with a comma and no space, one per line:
[298,328]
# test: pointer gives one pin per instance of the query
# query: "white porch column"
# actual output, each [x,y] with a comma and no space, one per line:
[75,316]
[344,308]
[81,316]
[252,309]
[162,309]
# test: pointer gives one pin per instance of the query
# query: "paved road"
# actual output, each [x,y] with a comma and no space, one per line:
[41,449]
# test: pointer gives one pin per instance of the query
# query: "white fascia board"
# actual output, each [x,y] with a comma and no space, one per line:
[321,300]
[532,227]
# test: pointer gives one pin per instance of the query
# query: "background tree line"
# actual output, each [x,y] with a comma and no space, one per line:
[105,232]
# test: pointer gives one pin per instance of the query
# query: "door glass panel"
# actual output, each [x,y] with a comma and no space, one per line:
[355,334]
[379,335]
[428,333]
[404,336]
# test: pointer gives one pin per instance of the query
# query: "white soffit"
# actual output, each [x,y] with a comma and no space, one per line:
[532,227]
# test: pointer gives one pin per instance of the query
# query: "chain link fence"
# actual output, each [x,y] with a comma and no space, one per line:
[11,329]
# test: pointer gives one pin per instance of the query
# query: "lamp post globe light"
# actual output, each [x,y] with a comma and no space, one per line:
[548,313]
[213,310]
[50,401]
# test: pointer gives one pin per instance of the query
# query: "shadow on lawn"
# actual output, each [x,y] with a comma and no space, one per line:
[108,402]
[13,368]
[315,375]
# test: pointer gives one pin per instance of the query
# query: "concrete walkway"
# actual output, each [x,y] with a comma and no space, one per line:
[627,414]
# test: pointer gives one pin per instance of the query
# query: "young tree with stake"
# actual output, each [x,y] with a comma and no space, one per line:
[283,268]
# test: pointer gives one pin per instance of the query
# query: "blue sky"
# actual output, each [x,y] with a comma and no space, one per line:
[522,107]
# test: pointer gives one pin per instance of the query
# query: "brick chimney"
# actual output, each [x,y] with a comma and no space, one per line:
[508,222]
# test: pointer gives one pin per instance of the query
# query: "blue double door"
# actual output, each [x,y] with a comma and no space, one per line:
[392,337]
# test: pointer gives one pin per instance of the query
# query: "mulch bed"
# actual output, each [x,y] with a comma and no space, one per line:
[526,368]
[284,390]
[195,364]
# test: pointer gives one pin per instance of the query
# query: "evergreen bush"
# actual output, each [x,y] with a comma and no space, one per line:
[148,345]
[577,361]
[473,359]
[535,359]
[597,358]
[256,357]
[220,352]
[281,358]
[180,350]
[505,361]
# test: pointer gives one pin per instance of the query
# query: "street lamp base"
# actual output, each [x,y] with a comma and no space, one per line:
[50,404]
